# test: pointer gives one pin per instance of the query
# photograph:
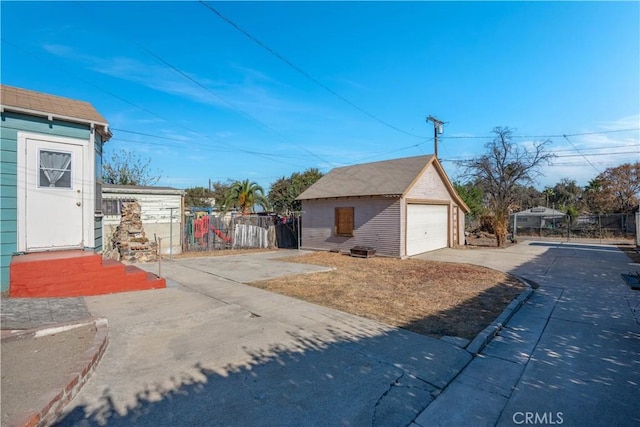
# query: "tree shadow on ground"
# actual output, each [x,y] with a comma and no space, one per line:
[469,318]
[389,376]
[386,378]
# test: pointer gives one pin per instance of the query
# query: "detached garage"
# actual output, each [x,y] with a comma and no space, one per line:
[400,207]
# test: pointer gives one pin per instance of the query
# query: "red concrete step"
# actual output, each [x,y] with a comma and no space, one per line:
[75,273]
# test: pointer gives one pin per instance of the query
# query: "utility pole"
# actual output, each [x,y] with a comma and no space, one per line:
[437,129]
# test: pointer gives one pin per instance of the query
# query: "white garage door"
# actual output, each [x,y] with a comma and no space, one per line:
[427,228]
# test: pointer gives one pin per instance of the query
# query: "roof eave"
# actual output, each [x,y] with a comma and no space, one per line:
[443,175]
[355,196]
[105,132]
[138,190]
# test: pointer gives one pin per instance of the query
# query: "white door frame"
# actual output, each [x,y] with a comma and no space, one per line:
[87,179]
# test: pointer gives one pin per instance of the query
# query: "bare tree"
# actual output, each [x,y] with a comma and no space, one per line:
[128,168]
[504,167]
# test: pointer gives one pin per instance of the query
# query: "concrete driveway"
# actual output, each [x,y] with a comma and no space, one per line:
[212,351]
[570,355]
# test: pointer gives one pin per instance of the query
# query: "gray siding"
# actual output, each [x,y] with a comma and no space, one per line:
[376,224]
[9,127]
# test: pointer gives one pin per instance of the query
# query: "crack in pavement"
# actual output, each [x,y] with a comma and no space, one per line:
[404,399]
[391,385]
[634,311]
[550,265]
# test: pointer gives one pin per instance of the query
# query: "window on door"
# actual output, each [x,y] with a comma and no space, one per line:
[344,221]
[55,169]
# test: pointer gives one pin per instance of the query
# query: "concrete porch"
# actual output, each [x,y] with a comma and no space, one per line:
[75,273]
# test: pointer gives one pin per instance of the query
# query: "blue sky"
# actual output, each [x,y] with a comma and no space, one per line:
[353,82]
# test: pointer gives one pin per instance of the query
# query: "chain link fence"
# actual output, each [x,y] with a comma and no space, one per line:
[606,226]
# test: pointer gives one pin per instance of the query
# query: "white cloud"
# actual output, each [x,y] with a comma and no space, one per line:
[223,134]
[249,98]
[629,122]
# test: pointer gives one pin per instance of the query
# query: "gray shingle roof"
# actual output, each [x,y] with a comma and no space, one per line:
[48,104]
[384,178]
[541,211]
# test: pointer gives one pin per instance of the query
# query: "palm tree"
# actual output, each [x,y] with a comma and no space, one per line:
[245,195]
[548,192]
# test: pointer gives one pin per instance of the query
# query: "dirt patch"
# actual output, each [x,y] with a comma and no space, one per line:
[483,240]
[427,297]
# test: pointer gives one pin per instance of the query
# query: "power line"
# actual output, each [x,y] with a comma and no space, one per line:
[302,72]
[544,136]
[407,147]
[583,152]
[207,147]
[231,104]
[462,159]
[597,154]
[275,157]
[538,136]
[382,153]
[608,147]
[268,156]
[583,156]
[15,46]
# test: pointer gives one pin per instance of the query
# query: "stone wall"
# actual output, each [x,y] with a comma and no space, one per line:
[129,241]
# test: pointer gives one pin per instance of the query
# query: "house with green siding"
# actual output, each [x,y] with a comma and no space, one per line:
[50,173]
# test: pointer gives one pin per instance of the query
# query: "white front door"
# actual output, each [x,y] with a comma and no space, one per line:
[427,228]
[52,193]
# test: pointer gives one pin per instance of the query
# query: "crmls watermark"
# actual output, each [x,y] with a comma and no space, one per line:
[538,418]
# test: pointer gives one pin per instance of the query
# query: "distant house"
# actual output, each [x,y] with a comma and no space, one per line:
[538,217]
[51,211]
[400,207]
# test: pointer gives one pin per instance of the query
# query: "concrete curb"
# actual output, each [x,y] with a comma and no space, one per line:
[485,337]
[49,407]
[21,334]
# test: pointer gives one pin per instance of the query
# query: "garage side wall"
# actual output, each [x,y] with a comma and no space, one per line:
[461,228]
[376,224]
